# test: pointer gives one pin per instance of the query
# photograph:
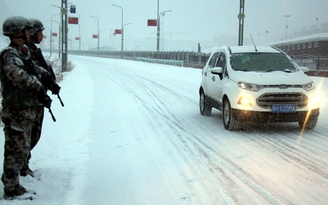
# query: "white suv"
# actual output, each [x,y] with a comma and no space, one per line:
[257,84]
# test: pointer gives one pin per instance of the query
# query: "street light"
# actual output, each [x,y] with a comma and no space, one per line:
[45,37]
[51,33]
[287,16]
[158,27]
[163,37]
[97,30]
[58,38]
[123,30]
[122,33]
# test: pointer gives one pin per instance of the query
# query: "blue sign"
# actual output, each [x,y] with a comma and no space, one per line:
[73,9]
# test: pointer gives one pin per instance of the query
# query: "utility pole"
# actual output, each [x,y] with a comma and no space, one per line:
[241,17]
[287,16]
[64,34]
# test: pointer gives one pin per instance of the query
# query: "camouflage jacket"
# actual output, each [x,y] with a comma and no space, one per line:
[47,77]
[19,80]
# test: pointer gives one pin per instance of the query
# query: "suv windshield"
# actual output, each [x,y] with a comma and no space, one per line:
[261,62]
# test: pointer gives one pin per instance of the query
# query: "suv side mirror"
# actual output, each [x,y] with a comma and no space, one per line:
[216,70]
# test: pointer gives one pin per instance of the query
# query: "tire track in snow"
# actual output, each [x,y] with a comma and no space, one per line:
[158,107]
[219,164]
[293,155]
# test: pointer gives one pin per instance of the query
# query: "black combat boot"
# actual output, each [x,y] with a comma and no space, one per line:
[17,191]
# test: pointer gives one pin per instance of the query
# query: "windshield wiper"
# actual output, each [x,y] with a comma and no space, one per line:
[242,70]
[286,70]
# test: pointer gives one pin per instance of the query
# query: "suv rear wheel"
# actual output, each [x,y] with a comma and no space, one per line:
[229,122]
[204,107]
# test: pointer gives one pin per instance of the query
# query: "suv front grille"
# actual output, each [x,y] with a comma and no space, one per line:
[266,100]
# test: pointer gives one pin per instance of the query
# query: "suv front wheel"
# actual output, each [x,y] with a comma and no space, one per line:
[204,107]
[229,122]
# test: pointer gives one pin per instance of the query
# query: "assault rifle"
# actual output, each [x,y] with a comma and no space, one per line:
[32,65]
[45,65]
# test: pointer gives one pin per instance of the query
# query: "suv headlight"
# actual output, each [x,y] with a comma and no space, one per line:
[250,86]
[308,86]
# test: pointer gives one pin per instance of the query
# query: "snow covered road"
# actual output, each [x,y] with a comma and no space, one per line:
[131,133]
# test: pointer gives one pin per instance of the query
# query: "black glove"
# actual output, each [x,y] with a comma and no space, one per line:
[47,101]
[44,99]
[55,88]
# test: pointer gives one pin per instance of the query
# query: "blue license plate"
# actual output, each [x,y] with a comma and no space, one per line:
[283,108]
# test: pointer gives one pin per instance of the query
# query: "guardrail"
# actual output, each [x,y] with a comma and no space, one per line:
[178,58]
[161,61]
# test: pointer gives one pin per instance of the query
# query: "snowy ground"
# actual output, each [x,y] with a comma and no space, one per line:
[131,134]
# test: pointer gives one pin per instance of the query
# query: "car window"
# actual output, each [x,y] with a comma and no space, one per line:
[214,60]
[221,61]
[262,62]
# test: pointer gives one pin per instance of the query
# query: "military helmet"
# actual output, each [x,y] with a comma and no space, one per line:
[36,24]
[14,25]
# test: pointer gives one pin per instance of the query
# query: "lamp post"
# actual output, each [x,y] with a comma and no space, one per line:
[79,37]
[58,38]
[45,37]
[122,33]
[158,25]
[97,31]
[163,33]
[287,16]
[99,39]
[51,33]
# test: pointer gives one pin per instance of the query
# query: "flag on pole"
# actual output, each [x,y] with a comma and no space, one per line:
[73,20]
[118,31]
[152,22]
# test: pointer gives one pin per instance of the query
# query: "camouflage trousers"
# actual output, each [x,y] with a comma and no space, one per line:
[35,133]
[18,126]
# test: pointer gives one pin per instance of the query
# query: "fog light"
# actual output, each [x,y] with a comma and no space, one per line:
[244,101]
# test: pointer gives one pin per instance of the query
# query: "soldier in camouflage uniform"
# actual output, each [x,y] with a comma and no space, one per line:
[22,93]
[36,37]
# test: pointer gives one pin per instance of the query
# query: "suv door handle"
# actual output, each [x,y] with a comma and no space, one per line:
[213,78]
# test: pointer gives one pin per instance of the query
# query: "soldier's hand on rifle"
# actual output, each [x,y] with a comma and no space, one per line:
[55,88]
[44,99]
[47,101]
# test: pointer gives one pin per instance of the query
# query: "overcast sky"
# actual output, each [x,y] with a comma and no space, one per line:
[203,21]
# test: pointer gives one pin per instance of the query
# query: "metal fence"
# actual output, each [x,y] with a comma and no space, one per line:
[194,59]
[312,62]
[188,59]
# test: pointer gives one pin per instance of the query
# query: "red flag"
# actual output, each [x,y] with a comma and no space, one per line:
[94,36]
[77,38]
[118,31]
[73,20]
[152,22]
[54,34]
